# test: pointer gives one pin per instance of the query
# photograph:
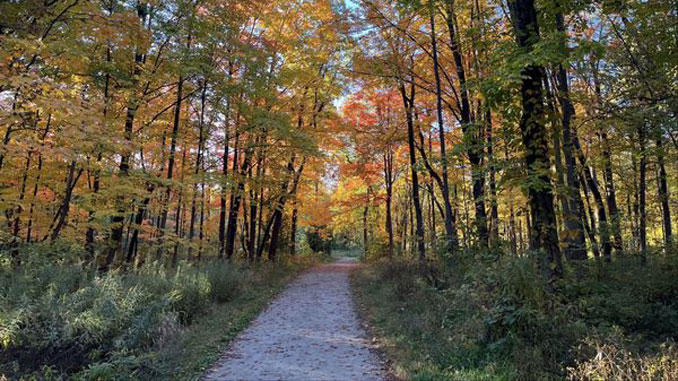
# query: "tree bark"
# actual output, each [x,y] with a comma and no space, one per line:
[61,217]
[544,235]
[450,229]
[198,167]
[575,243]
[170,163]
[590,179]
[642,186]
[664,194]
[236,197]
[408,102]
[117,221]
[388,181]
[494,206]
[280,207]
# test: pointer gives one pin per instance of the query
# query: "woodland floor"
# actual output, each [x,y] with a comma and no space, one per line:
[310,332]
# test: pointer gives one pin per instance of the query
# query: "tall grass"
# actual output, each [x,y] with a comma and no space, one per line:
[61,320]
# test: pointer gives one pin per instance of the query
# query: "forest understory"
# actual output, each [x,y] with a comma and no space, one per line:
[496,320]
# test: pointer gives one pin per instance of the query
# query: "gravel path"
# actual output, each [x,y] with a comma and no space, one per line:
[310,332]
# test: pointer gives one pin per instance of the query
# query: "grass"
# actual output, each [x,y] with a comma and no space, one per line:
[59,321]
[498,321]
[190,354]
[409,323]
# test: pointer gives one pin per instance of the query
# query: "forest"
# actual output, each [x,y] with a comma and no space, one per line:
[504,171]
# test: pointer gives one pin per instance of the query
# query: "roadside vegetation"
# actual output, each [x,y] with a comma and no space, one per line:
[61,321]
[497,320]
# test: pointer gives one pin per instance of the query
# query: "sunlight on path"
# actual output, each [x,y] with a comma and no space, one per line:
[310,332]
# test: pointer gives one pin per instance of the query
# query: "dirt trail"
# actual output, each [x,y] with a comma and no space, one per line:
[310,332]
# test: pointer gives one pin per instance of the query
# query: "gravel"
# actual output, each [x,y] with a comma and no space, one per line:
[310,332]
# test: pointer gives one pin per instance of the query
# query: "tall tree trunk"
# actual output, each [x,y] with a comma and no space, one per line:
[540,194]
[494,206]
[636,202]
[223,191]
[236,197]
[117,221]
[96,184]
[450,229]
[293,229]
[388,181]
[178,215]
[170,163]
[590,227]
[611,196]
[664,193]
[198,167]
[610,193]
[408,102]
[575,245]
[260,217]
[253,238]
[22,195]
[61,217]
[472,135]
[295,176]
[133,247]
[592,182]
[366,210]
[29,227]
[642,186]
[203,199]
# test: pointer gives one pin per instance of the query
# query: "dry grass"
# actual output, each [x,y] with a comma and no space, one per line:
[618,364]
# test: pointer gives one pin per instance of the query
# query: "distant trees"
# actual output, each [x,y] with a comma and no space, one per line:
[556,87]
[162,130]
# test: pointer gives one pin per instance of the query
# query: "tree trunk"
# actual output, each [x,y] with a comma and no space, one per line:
[472,135]
[664,193]
[96,185]
[540,194]
[293,230]
[198,167]
[408,102]
[642,186]
[575,244]
[236,197]
[170,163]
[253,237]
[610,192]
[222,194]
[178,215]
[117,221]
[388,181]
[592,218]
[592,182]
[365,213]
[61,217]
[494,206]
[138,220]
[278,214]
[450,229]
[29,227]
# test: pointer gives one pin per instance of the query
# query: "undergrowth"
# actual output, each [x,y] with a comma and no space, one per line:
[60,322]
[497,320]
